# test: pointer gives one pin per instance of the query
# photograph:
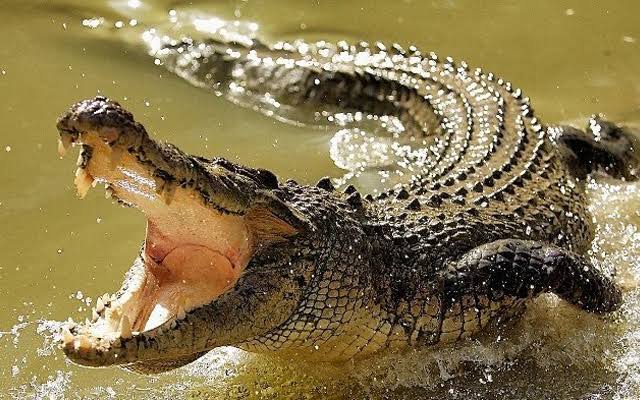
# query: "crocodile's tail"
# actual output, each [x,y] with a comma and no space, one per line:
[605,146]
[278,77]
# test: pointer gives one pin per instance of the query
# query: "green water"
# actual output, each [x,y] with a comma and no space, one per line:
[573,58]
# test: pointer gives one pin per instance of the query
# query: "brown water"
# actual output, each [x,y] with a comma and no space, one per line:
[573,58]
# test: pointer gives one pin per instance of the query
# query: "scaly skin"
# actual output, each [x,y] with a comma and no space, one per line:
[496,217]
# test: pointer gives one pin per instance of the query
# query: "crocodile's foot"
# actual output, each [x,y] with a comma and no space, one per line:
[204,219]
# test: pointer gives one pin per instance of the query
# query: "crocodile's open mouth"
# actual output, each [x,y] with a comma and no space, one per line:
[191,255]
[206,219]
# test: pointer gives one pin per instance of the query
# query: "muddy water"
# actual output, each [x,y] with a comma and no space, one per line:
[59,253]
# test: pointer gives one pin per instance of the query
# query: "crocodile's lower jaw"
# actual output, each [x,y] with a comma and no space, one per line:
[192,254]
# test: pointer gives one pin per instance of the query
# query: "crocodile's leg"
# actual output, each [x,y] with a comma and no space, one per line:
[605,146]
[510,270]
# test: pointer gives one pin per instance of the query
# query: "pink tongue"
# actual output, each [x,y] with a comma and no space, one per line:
[197,269]
[188,277]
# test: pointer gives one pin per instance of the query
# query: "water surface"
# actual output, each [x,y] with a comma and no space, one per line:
[573,58]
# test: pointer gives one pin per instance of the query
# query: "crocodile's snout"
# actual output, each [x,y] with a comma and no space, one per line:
[205,220]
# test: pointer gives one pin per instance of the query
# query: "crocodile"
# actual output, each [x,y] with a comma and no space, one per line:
[235,256]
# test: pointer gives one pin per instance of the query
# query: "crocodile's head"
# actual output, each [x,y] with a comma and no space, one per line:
[210,270]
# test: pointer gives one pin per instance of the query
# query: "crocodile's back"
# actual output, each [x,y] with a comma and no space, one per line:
[490,164]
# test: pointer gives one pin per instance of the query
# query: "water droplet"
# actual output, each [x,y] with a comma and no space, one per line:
[92,23]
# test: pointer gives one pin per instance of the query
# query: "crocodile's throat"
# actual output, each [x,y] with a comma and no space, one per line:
[180,276]
[191,254]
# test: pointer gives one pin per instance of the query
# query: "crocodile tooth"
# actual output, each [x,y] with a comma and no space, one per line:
[80,162]
[181,313]
[159,184]
[125,327]
[108,191]
[94,315]
[61,149]
[83,182]
[83,342]
[63,144]
[167,193]
[116,156]
[173,324]
[113,318]
[99,305]
[67,336]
